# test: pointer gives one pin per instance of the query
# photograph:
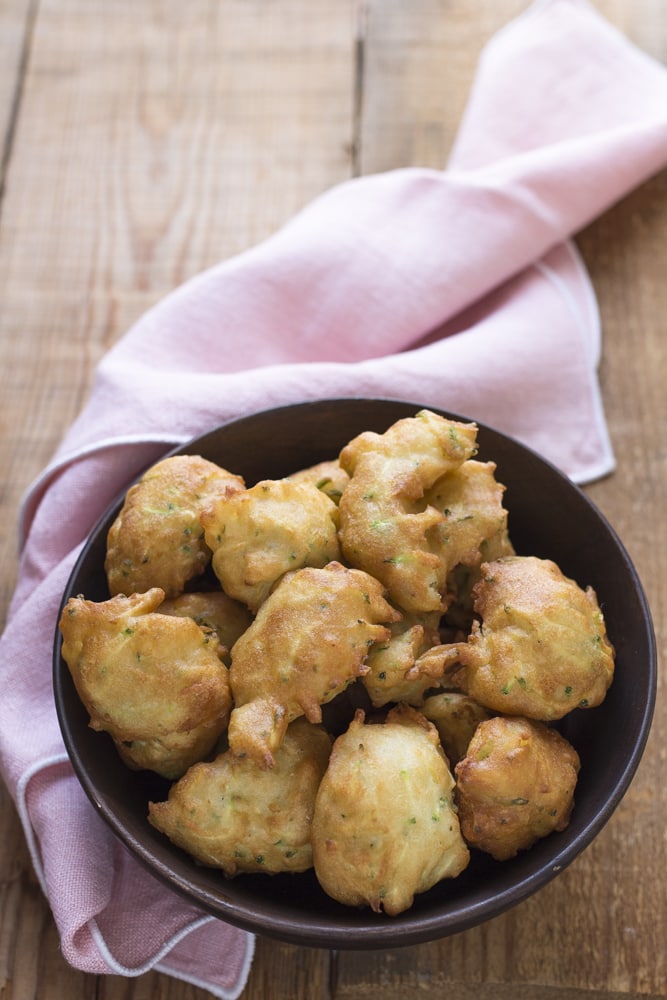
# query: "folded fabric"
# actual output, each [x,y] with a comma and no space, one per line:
[454,288]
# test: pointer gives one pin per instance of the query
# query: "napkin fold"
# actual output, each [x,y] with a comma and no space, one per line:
[457,288]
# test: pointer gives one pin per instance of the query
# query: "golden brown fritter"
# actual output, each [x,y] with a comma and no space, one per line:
[462,579]
[471,502]
[213,610]
[542,648]
[515,785]
[233,815]
[327,476]
[385,520]
[389,661]
[155,683]
[157,539]
[385,826]
[456,717]
[310,639]
[262,533]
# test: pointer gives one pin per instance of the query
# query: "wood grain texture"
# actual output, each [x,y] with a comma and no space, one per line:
[419,62]
[16,22]
[149,146]
[153,138]
[613,942]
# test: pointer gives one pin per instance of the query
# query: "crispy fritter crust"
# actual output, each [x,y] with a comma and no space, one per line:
[155,683]
[542,647]
[233,815]
[310,639]
[329,477]
[262,533]
[157,540]
[456,717]
[389,662]
[213,610]
[463,577]
[515,785]
[470,500]
[385,519]
[385,826]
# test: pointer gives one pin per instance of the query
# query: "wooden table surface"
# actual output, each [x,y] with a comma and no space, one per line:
[143,140]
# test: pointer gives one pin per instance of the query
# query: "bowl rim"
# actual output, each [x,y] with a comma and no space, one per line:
[383,933]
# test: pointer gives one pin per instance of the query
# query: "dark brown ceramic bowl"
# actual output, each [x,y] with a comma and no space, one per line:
[549,517]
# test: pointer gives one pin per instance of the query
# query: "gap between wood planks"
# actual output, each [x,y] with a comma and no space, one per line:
[17,96]
[362,8]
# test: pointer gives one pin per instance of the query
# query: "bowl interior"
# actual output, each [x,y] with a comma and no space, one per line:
[548,517]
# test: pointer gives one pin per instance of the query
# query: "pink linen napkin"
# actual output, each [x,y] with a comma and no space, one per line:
[456,288]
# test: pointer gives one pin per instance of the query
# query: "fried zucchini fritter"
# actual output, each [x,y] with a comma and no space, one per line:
[233,815]
[157,539]
[214,610]
[471,502]
[389,661]
[155,683]
[310,639]
[385,826]
[262,533]
[542,648]
[329,477]
[515,785]
[456,717]
[385,519]
[463,577]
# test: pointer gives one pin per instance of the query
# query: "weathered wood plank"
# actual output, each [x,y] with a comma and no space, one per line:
[600,925]
[152,141]
[280,971]
[418,64]
[16,21]
[149,147]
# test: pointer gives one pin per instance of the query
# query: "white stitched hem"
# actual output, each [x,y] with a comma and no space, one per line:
[219,991]
[115,967]
[40,484]
[22,808]
[586,324]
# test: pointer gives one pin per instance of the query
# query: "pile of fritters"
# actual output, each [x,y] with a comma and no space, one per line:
[348,669]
